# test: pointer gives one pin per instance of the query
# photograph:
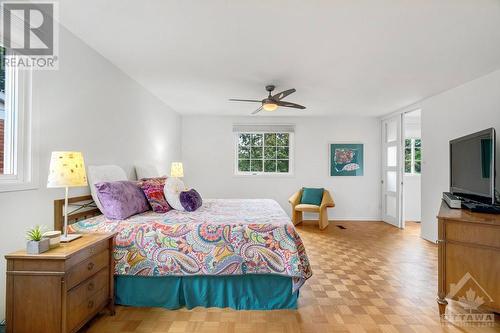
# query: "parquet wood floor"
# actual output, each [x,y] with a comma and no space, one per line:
[369,277]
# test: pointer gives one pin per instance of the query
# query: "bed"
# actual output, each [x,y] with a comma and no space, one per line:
[243,254]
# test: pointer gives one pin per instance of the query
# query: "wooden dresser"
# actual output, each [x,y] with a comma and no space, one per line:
[60,290]
[469,256]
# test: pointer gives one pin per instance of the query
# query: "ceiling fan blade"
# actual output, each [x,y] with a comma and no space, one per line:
[290,105]
[283,94]
[257,111]
[244,100]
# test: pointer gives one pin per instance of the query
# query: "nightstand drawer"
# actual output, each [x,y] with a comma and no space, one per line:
[87,253]
[87,268]
[88,288]
[87,308]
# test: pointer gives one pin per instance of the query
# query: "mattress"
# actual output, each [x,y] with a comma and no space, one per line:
[223,237]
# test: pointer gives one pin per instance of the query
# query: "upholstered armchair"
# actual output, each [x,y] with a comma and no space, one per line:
[298,209]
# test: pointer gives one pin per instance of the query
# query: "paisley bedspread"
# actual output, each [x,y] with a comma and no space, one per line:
[223,237]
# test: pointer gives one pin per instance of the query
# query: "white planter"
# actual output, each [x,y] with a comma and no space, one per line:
[33,247]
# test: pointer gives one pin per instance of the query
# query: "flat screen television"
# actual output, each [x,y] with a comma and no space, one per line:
[472,166]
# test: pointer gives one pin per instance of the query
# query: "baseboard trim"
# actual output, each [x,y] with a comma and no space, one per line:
[348,219]
[357,219]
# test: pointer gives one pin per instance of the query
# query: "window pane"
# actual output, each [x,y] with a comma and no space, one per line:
[257,140]
[243,152]
[270,152]
[418,143]
[245,139]
[270,165]
[256,165]
[282,139]
[418,156]
[270,139]
[407,153]
[408,143]
[283,152]
[408,166]
[418,167]
[256,152]
[244,165]
[282,166]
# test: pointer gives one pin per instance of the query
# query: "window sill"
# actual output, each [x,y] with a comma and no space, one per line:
[14,186]
[277,175]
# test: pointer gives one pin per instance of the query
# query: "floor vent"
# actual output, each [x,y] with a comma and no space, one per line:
[341,227]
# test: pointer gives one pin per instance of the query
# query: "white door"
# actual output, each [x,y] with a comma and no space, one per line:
[392,171]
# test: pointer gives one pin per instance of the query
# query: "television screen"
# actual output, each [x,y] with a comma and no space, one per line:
[472,166]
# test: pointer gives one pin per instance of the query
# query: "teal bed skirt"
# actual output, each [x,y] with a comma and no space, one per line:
[240,292]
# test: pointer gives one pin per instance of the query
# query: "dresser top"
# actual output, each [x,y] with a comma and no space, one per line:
[65,250]
[464,215]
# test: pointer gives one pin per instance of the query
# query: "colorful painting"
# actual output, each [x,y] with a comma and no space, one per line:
[346,159]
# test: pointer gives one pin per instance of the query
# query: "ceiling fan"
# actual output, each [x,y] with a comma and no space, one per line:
[272,102]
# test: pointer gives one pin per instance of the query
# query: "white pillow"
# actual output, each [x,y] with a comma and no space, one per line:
[103,173]
[172,190]
[146,171]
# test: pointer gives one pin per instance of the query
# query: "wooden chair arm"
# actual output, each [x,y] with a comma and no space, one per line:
[327,200]
[295,198]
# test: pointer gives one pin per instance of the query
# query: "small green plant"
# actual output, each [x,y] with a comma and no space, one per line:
[35,234]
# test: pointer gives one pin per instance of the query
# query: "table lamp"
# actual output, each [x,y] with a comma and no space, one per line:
[66,170]
[174,182]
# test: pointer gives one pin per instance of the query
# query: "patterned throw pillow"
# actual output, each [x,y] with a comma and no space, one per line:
[153,190]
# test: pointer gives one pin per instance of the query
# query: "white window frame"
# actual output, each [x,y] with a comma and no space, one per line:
[412,147]
[20,133]
[291,148]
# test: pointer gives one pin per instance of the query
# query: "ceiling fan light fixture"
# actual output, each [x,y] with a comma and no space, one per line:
[269,106]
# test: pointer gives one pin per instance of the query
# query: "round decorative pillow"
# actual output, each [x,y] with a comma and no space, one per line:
[172,190]
[190,200]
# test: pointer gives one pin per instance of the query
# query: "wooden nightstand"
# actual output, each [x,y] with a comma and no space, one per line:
[60,290]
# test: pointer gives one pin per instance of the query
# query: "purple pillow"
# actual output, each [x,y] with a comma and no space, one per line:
[190,200]
[121,199]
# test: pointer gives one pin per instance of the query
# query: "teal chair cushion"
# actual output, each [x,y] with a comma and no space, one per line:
[312,196]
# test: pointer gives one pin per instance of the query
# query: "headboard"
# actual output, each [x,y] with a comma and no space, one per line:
[83,208]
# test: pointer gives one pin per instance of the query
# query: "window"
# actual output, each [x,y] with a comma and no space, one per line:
[263,152]
[17,170]
[413,155]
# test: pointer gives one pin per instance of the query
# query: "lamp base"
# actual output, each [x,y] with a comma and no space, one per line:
[70,238]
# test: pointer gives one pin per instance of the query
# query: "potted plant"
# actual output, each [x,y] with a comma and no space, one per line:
[36,242]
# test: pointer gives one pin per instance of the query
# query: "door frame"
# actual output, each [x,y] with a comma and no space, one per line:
[401,113]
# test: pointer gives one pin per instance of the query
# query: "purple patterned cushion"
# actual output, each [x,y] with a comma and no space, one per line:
[190,200]
[121,199]
[153,190]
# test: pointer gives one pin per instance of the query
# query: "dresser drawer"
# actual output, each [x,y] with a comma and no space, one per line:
[86,308]
[87,268]
[473,233]
[88,288]
[86,253]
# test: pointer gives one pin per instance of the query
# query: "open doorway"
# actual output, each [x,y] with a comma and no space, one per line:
[412,157]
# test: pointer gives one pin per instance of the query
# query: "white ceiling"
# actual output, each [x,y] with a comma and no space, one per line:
[344,57]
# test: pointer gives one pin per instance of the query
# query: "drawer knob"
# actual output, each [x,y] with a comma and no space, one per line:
[91,304]
[91,286]
[90,266]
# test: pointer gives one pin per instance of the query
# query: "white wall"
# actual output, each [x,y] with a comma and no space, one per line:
[471,107]
[91,106]
[208,156]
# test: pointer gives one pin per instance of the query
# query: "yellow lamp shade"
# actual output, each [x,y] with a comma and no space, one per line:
[176,170]
[67,169]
